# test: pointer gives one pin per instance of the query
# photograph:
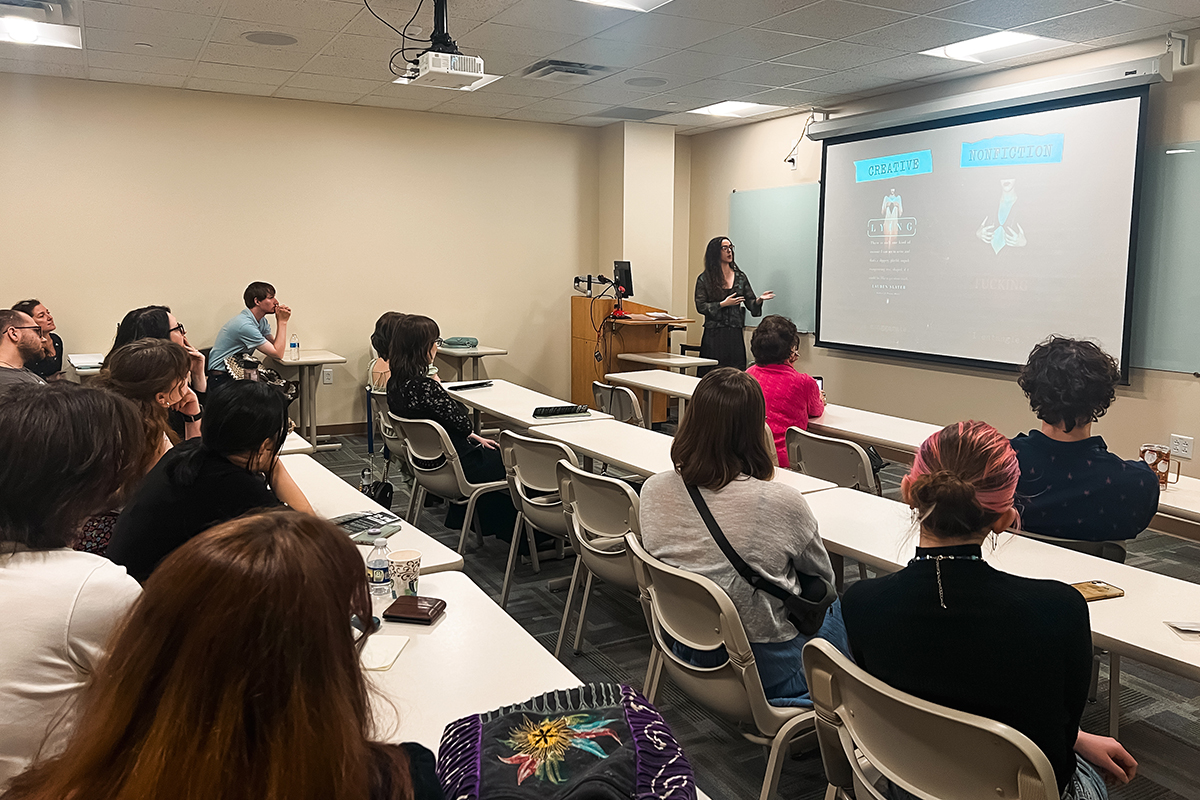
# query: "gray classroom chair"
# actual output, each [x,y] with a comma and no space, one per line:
[697,613]
[867,731]
[437,471]
[838,460]
[620,401]
[598,512]
[530,465]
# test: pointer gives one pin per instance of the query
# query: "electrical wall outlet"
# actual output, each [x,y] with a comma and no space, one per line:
[1181,446]
[327,378]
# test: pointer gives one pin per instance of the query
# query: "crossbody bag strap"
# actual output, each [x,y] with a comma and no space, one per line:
[745,570]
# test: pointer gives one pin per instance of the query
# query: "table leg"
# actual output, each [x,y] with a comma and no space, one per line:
[474,368]
[682,407]
[1114,693]
[648,408]
[370,424]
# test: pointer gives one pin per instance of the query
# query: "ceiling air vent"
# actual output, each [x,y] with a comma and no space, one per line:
[623,112]
[566,71]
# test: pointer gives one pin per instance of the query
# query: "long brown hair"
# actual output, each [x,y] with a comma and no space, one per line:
[408,354]
[236,677]
[722,436]
[140,371]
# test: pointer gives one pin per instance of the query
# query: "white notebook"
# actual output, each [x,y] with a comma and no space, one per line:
[381,651]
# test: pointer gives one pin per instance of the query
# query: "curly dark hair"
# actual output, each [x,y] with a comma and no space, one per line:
[773,340]
[1069,382]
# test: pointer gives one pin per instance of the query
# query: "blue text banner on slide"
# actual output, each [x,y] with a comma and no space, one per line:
[878,169]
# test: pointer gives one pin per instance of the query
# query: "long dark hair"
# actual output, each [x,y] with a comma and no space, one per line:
[67,452]
[722,435]
[235,676]
[381,339]
[237,420]
[141,370]
[147,322]
[408,354]
[712,268]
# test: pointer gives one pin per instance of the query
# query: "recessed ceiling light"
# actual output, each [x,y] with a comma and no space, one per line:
[143,44]
[646,82]
[672,103]
[22,30]
[735,108]
[270,38]
[995,47]
[629,5]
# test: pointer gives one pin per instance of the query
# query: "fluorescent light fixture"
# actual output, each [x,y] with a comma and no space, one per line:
[21,30]
[995,47]
[479,84]
[629,5]
[736,108]
[1177,152]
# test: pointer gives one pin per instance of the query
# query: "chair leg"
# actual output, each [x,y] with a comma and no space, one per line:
[562,628]
[838,562]
[1094,685]
[653,674]
[533,553]
[415,504]
[462,538]
[1114,693]
[512,557]
[862,571]
[778,753]
[587,595]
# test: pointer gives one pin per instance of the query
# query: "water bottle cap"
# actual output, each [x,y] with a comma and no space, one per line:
[381,542]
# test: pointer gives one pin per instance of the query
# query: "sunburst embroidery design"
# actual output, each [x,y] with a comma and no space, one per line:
[541,745]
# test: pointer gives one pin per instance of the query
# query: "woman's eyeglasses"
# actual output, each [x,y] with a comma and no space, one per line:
[438,341]
[182,330]
[728,247]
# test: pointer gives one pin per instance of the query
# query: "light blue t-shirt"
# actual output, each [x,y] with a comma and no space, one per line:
[241,334]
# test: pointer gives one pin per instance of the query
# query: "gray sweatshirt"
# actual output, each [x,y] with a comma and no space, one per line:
[769,525]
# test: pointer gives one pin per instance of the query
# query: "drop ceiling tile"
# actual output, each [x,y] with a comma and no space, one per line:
[618,81]
[536,116]
[741,12]
[319,15]
[611,53]
[27,67]
[497,63]
[832,19]
[664,31]
[482,97]
[229,72]
[416,92]
[41,55]
[910,66]
[317,95]
[406,103]
[682,118]
[365,24]
[364,48]
[254,56]
[350,68]
[230,31]
[482,10]
[791,98]
[95,39]
[606,95]
[229,87]
[509,39]
[1011,13]
[673,102]
[1110,20]
[131,63]
[580,19]
[144,78]
[912,6]
[844,82]
[1143,35]
[206,7]
[838,55]
[757,43]
[147,21]
[1182,8]
[892,89]
[920,33]
[717,89]
[331,83]
[772,74]
[698,65]
[1045,55]
[453,107]
[592,122]
[573,107]
[531,88]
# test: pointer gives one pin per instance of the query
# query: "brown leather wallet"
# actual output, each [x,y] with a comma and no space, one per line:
[417,610]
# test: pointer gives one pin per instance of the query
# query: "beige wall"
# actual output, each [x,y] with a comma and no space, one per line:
[117,196]
[1155,405]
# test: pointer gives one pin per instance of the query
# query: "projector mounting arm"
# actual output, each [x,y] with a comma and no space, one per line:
[440,41]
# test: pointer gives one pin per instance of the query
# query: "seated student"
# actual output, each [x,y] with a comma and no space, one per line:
[792,397]
[50,367]
[1071,487]
[720,448]
[415,394]
[380,341]
[250,331]
[153,373]
[237,676]
[953,630]
[231,469]
[21,344]
[68,450]
[157,322]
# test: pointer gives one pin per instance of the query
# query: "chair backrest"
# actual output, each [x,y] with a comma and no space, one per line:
[1110,551]
[929,750]
[697,613]
[837,460]
[383,420]
[531,468]
[432,457]
[620,401]
[599,512]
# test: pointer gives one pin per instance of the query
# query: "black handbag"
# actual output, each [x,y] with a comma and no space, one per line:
[379,491]
[806,612]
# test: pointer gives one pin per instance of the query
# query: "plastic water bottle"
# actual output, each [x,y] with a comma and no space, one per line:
[293,351]
[364,480]
[377,569]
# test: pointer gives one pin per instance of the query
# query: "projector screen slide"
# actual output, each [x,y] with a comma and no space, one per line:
[974,241]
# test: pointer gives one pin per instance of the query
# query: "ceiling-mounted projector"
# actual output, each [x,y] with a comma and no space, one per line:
[447,70]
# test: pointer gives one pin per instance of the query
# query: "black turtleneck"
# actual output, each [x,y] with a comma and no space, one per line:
[1012,649]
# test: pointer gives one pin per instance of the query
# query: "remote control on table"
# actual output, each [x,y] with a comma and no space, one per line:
[560,411]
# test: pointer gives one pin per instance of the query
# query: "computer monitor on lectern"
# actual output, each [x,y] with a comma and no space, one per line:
[623,278]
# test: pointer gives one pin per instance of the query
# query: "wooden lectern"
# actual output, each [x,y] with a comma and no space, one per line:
[593,332]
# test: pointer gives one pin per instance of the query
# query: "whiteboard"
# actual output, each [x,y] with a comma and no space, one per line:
[774,233]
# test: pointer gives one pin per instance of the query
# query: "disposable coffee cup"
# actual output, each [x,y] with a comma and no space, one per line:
[1158,458]
[404,567]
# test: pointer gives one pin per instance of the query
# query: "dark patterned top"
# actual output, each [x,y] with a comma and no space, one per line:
[425,398]
[49,366]
[708,302]
[1079,490]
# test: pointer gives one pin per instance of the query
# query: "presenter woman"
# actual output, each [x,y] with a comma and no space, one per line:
[723,294]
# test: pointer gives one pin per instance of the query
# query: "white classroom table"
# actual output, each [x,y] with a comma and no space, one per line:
[473,353]
[667,360]
[649,381]
[641,451]
[514,404]
[331,496]
[881,533]
[295,444]
[86,365]
[309,365]
[895,434]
